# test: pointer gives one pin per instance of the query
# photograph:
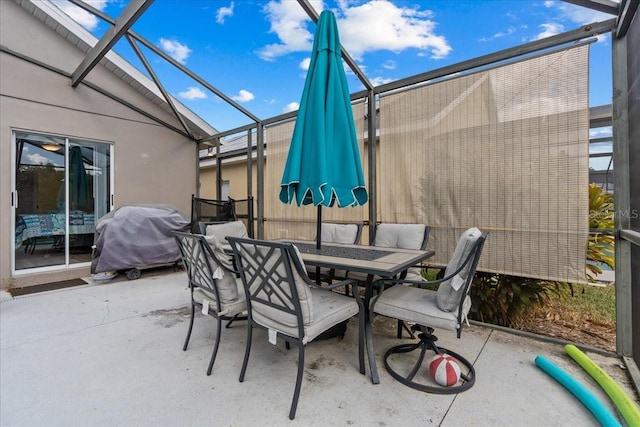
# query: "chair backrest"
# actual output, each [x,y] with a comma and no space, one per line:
[207,267]
[404,236]
[460,270]
[211,210]
[275,283]
[341,233]
[223,229]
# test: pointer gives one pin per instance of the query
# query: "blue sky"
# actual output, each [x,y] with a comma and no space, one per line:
[257,51]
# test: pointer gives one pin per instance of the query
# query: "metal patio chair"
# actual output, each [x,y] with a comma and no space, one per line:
[282,300]
[445,308]
[213,284]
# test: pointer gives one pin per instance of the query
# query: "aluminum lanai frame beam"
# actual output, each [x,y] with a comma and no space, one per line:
[583,32]
[95,88]
[622,197]
[169,59]
[605,6]
[156,80]
[628,10]
[132,12]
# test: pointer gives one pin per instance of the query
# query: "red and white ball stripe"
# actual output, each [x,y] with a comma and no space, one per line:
[444,370]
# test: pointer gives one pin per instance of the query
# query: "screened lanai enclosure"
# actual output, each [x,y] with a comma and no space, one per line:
[501,142]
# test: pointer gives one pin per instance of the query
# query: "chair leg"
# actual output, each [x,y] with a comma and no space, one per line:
[247,350]
[401,326]
[296,393]
[193,312]
[216,345]
[233,319]
[361,344]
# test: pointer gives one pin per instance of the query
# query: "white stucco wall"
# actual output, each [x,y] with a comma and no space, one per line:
[153,164]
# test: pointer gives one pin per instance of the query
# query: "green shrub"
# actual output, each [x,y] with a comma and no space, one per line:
[500,299]
[600,250]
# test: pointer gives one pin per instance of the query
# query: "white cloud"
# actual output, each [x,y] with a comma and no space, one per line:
[549,29]
[389,65]
[499,34]
[87,19]
[304,64]
[243,96]
[288,21]
[193,93]
[223,12]
[292,106]
[396,29]
[377,81]
[175,49]
[38,159]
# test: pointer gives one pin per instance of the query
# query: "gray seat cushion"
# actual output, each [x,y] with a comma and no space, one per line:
[450,291]
[226,281]
[405,236]
[230,308]
[329,308]
[417,305]
[339,233]
[221,231]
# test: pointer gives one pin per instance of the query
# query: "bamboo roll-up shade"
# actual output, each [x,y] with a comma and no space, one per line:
[292,221]
[504,150]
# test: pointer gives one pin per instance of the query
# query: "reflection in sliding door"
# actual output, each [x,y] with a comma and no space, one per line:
[49,172]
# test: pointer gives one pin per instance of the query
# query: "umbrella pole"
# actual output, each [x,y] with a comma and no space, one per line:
[319,227]
[318,239]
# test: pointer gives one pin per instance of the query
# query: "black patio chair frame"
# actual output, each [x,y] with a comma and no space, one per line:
[260,277]
[427,340]
[200,274]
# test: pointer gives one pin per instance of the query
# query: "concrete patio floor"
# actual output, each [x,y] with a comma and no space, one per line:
[110,354]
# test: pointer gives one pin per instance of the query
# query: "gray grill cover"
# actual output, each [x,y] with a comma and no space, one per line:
[137,236]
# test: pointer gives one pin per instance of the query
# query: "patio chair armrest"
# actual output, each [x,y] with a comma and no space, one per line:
[334,285]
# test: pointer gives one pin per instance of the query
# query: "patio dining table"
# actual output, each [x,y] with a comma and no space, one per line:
[370,260]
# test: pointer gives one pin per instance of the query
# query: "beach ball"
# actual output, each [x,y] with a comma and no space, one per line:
[444,369]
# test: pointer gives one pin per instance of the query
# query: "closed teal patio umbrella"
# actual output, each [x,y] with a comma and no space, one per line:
[323,164]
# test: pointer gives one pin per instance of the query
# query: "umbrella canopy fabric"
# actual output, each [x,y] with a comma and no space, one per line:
[323,164]
[78,182]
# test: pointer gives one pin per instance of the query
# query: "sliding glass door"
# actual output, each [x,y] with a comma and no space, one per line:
[61,187]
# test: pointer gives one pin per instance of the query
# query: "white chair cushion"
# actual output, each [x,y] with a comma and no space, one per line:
[405,236]
[221,231]
[415,305]
[450,291]
[339,233]
[329,309]
[227,282]
[230,308]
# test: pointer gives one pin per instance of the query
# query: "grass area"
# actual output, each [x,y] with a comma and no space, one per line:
[595,303]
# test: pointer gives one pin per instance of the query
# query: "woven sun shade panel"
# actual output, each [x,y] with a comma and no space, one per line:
[292,221]
[504,150]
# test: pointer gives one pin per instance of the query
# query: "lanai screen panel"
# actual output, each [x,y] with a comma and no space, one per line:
[293,221]
[505,150]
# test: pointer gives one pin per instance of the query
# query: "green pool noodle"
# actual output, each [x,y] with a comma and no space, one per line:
[625,405]
[602,414]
